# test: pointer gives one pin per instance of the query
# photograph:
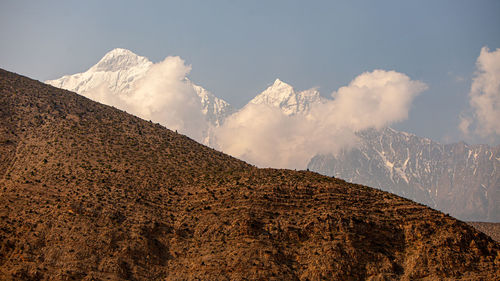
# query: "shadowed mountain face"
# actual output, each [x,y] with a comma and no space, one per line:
[90,192]
[458,178]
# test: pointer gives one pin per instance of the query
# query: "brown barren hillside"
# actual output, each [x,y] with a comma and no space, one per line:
[90,192]
[490,228]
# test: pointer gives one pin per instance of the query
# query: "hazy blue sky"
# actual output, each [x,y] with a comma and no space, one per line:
[238,48]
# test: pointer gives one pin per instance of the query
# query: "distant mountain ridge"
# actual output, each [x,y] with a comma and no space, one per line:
[461,179]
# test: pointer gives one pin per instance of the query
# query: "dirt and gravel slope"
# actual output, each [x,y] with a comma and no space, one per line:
[490,228]
[89,192]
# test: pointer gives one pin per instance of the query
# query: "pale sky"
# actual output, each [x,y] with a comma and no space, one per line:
[236,49]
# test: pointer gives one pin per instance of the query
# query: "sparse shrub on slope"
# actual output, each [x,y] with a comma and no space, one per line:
[88,192]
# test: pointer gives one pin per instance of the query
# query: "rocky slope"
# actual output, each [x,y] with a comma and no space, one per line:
[92,193]
[459,179]
[489,228]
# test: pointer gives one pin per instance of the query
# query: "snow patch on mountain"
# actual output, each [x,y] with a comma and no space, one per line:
[214,108]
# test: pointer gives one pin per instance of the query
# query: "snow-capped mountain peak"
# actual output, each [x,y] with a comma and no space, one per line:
[120,69]
[279,90]
[120,59]
[283,96]
[279,83]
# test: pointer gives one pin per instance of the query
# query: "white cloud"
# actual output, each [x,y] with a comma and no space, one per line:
[465,123]
[374,100]
[162,95]
[265,136]
[484,97]
[262,134]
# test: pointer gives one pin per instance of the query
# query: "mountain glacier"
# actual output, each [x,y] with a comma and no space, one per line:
[459,179]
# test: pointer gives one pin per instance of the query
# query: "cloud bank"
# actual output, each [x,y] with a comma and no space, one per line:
[162,95]
[265,136]
[484,97]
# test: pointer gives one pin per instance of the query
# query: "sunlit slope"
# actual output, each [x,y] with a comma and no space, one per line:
[90,192]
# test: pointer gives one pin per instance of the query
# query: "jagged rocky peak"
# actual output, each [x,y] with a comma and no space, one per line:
[215,109]
[118,69]
[275,94]
[119,59]
[283,96]
[281,84]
